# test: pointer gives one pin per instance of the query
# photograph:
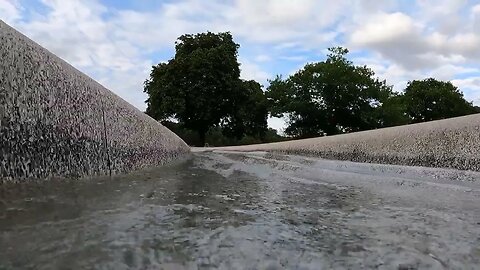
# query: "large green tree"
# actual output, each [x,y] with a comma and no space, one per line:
[329,97]
[431,99]
[200,86]
[249,112]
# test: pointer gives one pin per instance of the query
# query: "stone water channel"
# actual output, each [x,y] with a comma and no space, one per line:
[254,210]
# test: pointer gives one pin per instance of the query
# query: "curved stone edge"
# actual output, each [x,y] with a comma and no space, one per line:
[449,143]
[57,121]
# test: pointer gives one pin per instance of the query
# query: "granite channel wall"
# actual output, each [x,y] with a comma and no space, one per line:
[56,121]
[450,143]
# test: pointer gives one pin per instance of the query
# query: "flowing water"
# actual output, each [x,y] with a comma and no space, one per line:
[246,211]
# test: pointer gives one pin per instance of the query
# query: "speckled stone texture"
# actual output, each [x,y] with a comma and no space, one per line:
[450,143]
[56,121]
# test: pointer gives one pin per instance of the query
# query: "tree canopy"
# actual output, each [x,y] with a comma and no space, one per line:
[430,99]
[200,87]
[329,97]
[249,112]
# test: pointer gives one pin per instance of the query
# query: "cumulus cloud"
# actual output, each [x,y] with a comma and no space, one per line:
[77,32]
[262,58]
[252,71]
[281,20]
[470,87]
[9,10]
[438,39]
[384,29]
[398,38]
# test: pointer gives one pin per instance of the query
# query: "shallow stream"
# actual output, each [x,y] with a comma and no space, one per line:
[246,211]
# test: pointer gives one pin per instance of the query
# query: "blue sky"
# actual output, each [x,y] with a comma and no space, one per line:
[116,42]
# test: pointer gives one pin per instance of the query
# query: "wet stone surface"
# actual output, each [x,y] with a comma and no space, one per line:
[243,211]
[57,122]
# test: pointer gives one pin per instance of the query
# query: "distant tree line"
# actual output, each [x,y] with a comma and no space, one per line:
[199,95]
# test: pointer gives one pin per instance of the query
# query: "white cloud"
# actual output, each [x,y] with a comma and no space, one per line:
[384,28]
[262,58]
[278,124]
[273,21]
[415,44]
[9,10]
[476,9]
[443,15]
[77,32]
[252,71]
[150,33]
[395,36]
[293,58]
[398,76]
[128,84]
[470,88]
[448,72]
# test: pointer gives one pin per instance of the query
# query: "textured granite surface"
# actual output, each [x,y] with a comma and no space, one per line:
[56,121]
[449,143]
